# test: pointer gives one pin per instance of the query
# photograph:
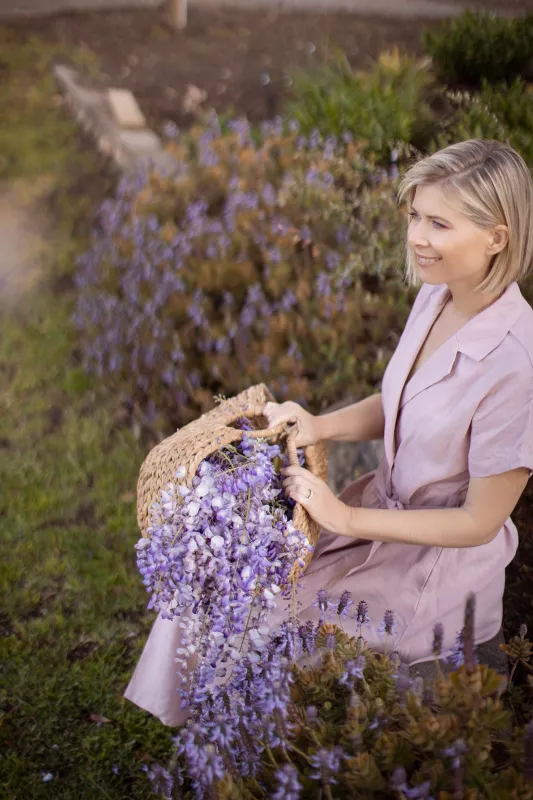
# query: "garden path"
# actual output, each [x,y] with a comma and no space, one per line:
[398,8]
[21,239]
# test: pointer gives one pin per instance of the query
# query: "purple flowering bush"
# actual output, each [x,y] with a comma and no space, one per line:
[322,715]
[263,256]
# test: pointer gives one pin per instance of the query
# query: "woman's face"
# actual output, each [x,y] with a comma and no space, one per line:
[447,246]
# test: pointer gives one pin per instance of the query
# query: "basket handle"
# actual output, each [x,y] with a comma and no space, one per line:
[291,432]
[267,433]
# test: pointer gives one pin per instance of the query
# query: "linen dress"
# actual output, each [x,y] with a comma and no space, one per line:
[466,412]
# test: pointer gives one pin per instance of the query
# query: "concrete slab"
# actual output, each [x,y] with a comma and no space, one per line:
[91,107]
[125,109]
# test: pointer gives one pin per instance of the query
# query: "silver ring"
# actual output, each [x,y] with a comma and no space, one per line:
[309,496]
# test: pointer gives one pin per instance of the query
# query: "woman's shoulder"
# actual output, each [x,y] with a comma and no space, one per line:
[522,328]
[512,359]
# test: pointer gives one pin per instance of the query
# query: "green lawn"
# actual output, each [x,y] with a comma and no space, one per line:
[72,606]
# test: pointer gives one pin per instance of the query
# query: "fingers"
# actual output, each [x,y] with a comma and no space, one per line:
[294,485]
[276,413]
[291,472]
[298,492]
[298,482]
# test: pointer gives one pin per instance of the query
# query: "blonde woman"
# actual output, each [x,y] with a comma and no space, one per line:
[432,522]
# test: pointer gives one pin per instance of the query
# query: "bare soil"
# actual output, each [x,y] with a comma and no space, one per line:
[239,57]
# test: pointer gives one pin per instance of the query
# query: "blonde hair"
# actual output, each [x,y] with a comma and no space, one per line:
[490,183]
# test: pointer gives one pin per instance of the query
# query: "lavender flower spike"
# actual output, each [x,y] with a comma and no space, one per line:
[438,634]
[388,626]
[323,602]
[361,615]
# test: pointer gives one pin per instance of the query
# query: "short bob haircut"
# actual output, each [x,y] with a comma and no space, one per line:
[490,183]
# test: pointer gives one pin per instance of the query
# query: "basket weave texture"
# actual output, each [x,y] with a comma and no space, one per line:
[193,443]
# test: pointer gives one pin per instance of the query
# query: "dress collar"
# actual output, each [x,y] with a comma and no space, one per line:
[481,334]
[476,339]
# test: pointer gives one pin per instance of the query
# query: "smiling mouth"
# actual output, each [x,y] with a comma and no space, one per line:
[424,261]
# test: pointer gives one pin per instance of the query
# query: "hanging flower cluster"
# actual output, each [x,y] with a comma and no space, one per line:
[218,555]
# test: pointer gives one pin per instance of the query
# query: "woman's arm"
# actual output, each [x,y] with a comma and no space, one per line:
[359,422]
[489,502]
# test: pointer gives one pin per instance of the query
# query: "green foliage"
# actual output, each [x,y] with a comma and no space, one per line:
[470,118]
[381,107]
[478,45]
[382,723]
[503,112]
[513,106]
[73,617]
[35,135]
[72,611]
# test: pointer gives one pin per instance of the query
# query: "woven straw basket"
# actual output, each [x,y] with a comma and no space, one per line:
[190,445]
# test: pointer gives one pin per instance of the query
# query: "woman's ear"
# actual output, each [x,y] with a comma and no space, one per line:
[498,240]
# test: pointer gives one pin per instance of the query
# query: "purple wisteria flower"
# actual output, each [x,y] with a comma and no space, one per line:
[456,752]
[354,670]
[288,785]
[162,781]
[307,634]
[220,551]
[326,764]
[399,783]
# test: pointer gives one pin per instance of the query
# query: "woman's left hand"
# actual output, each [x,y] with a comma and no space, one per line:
[326,509]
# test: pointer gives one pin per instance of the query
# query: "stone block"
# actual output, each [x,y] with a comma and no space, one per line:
[125,109]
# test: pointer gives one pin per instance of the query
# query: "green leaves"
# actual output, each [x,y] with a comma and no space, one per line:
[380,107]
[480,45]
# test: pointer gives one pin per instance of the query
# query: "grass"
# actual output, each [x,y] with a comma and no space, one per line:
[73,618]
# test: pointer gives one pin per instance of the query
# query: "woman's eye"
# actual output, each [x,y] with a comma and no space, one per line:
[415,216]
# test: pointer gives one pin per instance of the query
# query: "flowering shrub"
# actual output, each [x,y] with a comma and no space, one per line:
[320,712]
[262,257]
[219,553]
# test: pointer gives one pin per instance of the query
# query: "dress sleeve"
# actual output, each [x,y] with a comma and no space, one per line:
[501,433]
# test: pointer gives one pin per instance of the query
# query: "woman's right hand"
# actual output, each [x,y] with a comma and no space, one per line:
[289,411]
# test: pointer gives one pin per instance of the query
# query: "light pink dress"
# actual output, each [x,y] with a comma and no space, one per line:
[467,412]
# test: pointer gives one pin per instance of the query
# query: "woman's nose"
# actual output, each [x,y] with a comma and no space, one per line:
[416,238]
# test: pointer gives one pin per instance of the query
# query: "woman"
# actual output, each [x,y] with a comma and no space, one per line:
[456,412]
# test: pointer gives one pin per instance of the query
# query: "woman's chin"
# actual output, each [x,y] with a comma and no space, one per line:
[431,274]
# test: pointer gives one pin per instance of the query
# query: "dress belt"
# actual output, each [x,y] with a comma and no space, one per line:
[394,503]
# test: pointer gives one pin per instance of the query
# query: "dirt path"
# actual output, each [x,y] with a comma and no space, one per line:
[407,9]
[22,240]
